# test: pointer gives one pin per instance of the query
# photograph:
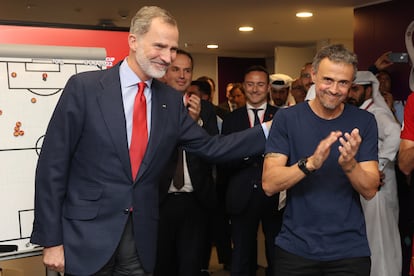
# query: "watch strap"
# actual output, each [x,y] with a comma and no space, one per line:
[302,166]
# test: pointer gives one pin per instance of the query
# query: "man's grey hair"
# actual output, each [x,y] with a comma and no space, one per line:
[336,53]
[141,22]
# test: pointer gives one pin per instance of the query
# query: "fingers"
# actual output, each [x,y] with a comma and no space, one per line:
[382,177]
[194,99]
[323,149]
[53,258]
[383,61]
[194,106]
[349,145]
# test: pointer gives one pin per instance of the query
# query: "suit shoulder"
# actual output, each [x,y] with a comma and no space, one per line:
[272,109]
[235,114]
[95,76]
[207,106]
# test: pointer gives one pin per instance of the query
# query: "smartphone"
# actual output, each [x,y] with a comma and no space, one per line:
[398,57]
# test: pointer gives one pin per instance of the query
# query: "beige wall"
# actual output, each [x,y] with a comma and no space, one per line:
[206,65]
[289,60]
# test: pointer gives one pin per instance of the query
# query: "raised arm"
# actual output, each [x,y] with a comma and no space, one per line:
[277,176]
[364,176]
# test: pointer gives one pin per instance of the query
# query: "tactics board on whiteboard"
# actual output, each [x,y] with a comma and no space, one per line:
[31,81]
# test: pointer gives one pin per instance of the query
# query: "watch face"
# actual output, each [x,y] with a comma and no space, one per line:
[302,166]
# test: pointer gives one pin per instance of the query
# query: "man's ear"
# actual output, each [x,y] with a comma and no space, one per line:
[313,75]
[132,39]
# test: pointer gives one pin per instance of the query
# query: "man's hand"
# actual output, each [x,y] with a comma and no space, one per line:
[348,149]
[193,103]
[54,258]
[315,161]
[383,61]
[382,177]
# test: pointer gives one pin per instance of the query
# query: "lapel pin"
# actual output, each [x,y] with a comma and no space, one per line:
[164,106]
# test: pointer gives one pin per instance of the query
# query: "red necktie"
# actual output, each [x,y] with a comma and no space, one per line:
[139,137]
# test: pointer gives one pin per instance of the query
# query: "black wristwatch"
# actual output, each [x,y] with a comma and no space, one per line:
[302,166]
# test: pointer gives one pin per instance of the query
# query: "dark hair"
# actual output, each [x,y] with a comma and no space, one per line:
[203,86]
[208,80]
[257,68]
[336,53]
[182,52]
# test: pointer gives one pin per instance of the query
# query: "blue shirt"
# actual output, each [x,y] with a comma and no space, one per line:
[323,219]
[129,88]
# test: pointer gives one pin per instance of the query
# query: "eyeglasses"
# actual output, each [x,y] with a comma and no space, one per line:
[305,76]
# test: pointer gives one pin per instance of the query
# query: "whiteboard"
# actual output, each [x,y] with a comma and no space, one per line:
[32,78]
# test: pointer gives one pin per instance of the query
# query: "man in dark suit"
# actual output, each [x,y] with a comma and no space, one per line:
[228,105]
[246,202]
[184,208]
[94,215]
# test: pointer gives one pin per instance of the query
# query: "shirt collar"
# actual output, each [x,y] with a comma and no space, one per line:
[263,106]
[128,77]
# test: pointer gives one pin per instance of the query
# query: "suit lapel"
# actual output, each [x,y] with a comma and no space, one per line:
[110,103]
[245,121]
[269,112]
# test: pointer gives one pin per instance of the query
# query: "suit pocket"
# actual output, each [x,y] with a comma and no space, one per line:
[80,212]
[90,193]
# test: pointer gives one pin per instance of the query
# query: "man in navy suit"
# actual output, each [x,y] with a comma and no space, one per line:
[91,215]
[246,202]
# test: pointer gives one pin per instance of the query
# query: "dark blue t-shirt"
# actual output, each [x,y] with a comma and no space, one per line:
[323,219]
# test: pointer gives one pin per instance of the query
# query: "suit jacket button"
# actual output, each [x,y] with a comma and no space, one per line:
[126,211]
[255,186]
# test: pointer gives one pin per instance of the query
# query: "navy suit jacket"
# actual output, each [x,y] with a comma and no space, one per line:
[83,183]
[244,175]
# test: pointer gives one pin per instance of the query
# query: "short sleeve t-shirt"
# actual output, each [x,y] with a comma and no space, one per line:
[323,219]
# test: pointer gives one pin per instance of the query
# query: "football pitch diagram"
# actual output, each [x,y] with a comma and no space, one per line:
[29,90]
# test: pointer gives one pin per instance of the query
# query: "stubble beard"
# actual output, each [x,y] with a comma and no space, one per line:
[147,67]
[331,106]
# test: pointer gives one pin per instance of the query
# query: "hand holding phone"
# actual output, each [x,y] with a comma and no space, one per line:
[398,57]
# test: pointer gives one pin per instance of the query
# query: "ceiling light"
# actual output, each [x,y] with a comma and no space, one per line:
[212,46]
[246,29]
[304,14]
